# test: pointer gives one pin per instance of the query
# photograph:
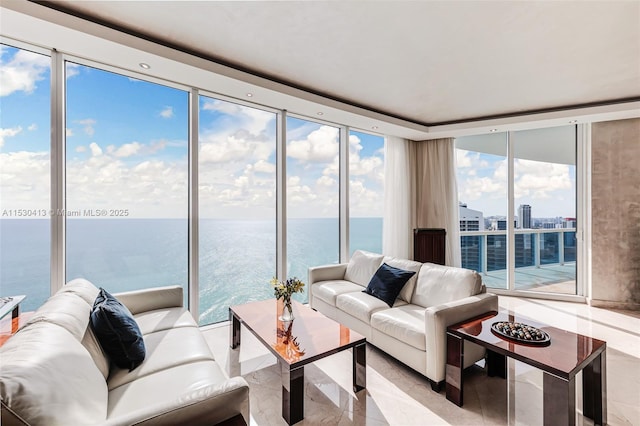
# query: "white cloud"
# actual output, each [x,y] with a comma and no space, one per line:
[72,70]
[8,133]
[32,127]
[25,180]
[537,180]
[320,145]
[463,159]
[326,181]
[81,148]
[96,151]
[253,120]
[549,188]
[167,112]
[88,124]
[128,149]
[263,166]
[22,72]
[69,132]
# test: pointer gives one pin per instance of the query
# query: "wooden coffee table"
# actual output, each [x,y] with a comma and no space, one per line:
[566,354]
[309,337]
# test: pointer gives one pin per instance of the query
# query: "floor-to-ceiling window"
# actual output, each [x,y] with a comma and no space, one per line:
[126,180]
[237,199]
[543,208]
[312,173]
[25,174]
[366,191]
[125,200]
[482,194]
[544,200]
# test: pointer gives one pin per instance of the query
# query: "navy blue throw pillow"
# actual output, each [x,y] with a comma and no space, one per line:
[387,283]
[117,331]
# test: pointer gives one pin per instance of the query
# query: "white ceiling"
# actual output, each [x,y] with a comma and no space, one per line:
[426,62]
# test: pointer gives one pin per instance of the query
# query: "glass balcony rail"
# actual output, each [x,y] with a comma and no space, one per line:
[544,258]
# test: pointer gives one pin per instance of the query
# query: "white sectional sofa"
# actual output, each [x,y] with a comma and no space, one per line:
[413,330]
[53,371]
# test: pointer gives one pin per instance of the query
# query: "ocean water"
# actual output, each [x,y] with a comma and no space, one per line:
[237,258]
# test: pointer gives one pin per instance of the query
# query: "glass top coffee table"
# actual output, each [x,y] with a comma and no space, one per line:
[309,337]
[561,358]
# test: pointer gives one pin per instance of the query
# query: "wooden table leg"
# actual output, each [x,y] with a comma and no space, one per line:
[594,390]
[559,400]
[360,367]
[496,364]
[453,373]
[15,321]
[292,393]
[234,330]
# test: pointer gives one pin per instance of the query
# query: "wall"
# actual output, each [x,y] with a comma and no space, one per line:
[615,207]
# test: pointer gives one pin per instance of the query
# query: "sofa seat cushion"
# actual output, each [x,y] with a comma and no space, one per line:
[404,323]
[362,266]
[159,392]
[164,319]
[328,291]
[361,305]
[166,349]
[48,378]
[438,284]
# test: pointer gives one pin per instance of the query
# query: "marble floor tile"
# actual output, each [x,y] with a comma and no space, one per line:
[397,395]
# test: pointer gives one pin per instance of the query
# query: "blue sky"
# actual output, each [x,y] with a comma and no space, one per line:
[127,149]
[548,188]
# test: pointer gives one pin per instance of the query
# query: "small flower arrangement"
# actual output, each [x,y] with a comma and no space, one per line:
[283,290]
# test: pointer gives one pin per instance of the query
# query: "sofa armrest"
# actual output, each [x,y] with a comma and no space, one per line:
[149,299]
[327,272]
[324,273]
[208,405]
[438,318]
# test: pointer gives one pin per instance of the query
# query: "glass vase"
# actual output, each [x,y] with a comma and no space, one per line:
[287,311]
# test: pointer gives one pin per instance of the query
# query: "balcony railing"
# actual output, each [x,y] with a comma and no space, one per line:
[542,256]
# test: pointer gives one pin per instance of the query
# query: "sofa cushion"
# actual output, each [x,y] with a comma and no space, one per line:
[438,284]
[155,394]
[101,359]
[117,331]
[48,378]
[328,291]
[167,349]
[164,319]
[362,266]
[407,265]
[65,310]
[387,282]
[361,305]
[404,323]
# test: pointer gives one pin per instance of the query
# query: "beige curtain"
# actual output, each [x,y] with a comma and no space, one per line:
[435,192]
[397,237]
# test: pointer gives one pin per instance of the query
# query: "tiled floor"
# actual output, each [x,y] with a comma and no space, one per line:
[396,395]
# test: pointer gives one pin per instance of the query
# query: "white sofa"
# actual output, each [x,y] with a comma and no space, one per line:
[54,372]
[414,329]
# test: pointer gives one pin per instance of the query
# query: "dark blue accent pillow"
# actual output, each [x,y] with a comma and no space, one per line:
[387,283]
[117,331]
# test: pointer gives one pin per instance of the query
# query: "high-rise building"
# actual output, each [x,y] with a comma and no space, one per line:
[470,220]
[524,216]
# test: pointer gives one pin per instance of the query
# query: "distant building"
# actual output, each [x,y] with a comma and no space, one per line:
[470,220]
[524,216]
[569,222]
